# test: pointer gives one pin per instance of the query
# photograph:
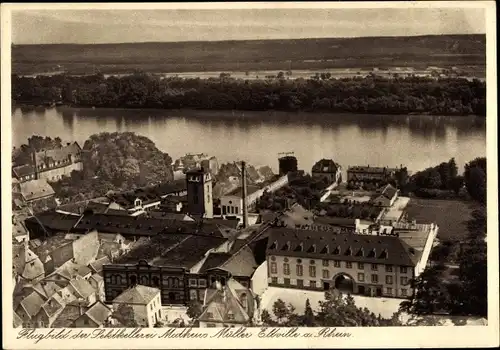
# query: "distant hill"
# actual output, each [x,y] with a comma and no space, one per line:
[416,51]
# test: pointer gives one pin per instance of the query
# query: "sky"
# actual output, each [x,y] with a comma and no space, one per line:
[116,26]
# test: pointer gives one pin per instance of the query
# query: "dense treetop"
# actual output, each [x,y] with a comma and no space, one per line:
[372,94]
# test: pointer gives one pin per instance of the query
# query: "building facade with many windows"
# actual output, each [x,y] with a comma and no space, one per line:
[351,263]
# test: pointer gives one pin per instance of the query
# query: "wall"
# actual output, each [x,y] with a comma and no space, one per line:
[57,173]
[422,264]
[333,271]
[237,201]
[85,322]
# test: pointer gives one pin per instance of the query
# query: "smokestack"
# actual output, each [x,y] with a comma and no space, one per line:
[244,194]
[33,155]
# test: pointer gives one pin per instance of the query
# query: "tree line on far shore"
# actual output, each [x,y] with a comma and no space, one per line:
[321,93]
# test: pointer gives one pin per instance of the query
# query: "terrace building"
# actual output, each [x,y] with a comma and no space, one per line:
[357,175]
[356,264]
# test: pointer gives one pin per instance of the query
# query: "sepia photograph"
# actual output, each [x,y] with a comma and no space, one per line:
[281,171]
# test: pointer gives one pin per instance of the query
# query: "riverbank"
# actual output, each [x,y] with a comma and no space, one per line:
[323,94]
[227,114]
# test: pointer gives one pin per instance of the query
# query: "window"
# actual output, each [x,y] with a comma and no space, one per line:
[403,292]
[192,282]
[274,268]
[404,280]
[374,267]
[361,277]
[336,263]
[312,284]
[193,294]
[300,270]
[223,209]
[389,291]
[286,281]
[300,283]
[312,271]
[202,283]
[325,262]
[361,266]
[388,268]
[374,278]
[388,279]
[286,268]
[210,315]
[274,280]
[312,262]
[348,265]
[403,269]
[326,274]
[230,316]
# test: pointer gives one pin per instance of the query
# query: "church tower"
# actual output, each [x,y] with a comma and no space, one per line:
[199,192]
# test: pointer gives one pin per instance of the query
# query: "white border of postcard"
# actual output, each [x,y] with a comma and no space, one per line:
[386,337]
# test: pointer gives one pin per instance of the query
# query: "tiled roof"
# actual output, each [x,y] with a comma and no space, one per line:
[58,154]
[325,166]
[143,226]
[82,287]
[35,189]
[189,251]
[150,249]
[214,260]
[328,220]
[68,316]
[139,294]
[97,265]
[32,304]
[54,221]
[18,322]
[34,267]
[53,305]
[342,246]
[241,264]
[23,170]
[97,278]
[46,288]
[370,169]
[149,194]
[98,313]
[224,305]
[238,192]
[389,191]
[18,229]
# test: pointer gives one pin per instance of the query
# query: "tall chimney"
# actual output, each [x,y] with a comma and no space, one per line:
[33,155]
[244,194]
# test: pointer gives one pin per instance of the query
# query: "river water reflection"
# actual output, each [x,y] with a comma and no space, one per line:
[417,141]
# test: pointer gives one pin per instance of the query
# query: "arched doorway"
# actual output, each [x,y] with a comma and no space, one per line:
[344,283]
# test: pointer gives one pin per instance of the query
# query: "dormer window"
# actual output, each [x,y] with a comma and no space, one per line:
[300,247]
[384,255]
[325,250]
[312,249]
[372,253]
[286,246]
[337,251]
[360,252]
[274,245]
[348,251]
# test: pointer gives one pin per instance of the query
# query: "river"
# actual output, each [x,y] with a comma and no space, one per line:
[257,137]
